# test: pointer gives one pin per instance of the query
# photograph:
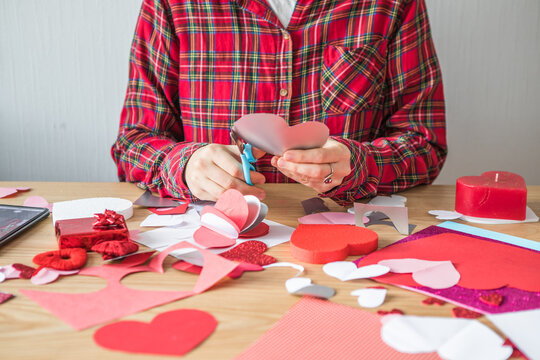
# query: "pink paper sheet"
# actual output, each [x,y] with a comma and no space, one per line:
[116,300]
[319,329]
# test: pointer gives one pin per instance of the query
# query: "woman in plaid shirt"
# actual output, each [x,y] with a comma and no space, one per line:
[366,68]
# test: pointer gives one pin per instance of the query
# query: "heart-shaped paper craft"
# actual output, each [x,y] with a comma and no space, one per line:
[433,274]
[493,299]
[234,214]
[321,244]
[370,297]
[273,135]
[47,275]
[494,195]
[171,333]
[302,286]
[347,270]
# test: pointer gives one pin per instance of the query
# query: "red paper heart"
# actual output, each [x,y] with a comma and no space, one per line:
[251,252]
[460,312]
[494,194]
[171,333]
[321,244]
[273,135]
[492,299]
[433,301]
[258,231]
[26,271]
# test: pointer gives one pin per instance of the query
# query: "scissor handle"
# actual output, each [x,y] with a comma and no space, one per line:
[247,158]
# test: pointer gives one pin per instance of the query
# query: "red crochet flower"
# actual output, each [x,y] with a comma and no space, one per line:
[113,249]
[63,259]
[108,220]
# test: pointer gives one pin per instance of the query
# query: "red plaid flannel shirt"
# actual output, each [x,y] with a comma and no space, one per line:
[368,69]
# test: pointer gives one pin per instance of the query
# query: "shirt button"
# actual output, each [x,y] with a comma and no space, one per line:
[283,92]
[286,36]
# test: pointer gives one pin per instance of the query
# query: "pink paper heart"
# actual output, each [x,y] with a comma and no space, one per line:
[273,135]
[48,275]
[233,204]
[218,230]
[433,274]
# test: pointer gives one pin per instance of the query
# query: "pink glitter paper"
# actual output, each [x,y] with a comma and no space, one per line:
[514,299]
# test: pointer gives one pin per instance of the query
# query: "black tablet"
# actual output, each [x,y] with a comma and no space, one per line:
[16,219]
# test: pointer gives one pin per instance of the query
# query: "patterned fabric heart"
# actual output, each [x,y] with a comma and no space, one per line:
[251,252]
[492,299]
[460,312]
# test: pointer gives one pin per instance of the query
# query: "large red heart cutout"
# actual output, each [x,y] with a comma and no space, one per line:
[171,333]
[321,244]
[494,195]
[272,134]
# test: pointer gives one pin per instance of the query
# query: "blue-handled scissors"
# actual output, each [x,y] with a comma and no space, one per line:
[246,155]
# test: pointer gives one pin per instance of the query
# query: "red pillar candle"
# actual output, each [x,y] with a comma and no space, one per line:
[494,195]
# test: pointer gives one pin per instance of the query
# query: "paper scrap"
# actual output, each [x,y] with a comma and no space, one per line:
[300,268]
[47,275]
[347,270]
[37,201]
[149,200]
[314,205]
[392,200]
[170,333]
[8,191]
[5,297]
[154,220]
[398,215]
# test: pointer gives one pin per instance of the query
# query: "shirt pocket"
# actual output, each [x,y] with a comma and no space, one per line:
[352,79]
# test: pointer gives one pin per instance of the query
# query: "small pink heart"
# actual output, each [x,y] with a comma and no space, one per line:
[272,134]
[433,274]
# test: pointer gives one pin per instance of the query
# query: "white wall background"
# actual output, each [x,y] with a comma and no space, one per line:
[63,74]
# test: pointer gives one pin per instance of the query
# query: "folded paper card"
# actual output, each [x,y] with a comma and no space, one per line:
[232,215]
[273,135]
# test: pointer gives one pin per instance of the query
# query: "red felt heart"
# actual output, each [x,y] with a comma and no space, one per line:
[5,297]
[460,312]
[273,135]
[321,244]
[251,252]
[26,271]
[433,301]
[178,210]
[494,194]
[393,311]
[492,299]
[171,333]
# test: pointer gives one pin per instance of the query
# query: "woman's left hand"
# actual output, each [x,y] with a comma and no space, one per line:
[311,167]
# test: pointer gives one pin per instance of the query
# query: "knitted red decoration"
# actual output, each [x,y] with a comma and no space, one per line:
[63,259]
[26,271]
[114,249]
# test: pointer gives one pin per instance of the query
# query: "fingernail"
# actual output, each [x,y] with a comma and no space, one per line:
[282,163]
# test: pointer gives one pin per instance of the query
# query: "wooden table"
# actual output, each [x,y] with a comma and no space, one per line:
[244,308]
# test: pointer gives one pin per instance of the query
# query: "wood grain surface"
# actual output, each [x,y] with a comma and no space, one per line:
[244,308]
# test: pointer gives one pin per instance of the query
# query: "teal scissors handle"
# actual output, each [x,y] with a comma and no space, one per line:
[247,160]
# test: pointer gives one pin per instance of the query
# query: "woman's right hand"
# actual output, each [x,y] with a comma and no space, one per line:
[214,168]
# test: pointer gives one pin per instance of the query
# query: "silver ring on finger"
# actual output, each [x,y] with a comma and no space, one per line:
[328,178]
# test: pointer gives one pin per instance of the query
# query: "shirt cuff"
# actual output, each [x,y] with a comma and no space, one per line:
[172,171]
[347,192]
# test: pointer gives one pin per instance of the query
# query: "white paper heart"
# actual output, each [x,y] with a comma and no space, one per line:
[451,338]
[300,268]
[370,297]
[2,276]
[296,283]
[347,270]
[10,272]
